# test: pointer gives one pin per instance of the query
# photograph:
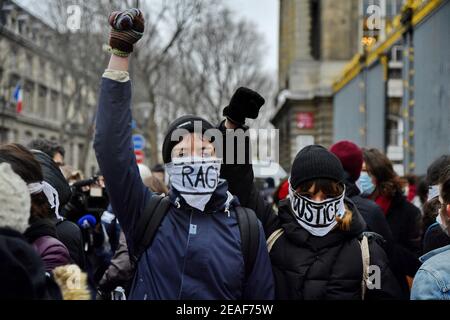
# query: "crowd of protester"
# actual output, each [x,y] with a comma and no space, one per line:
[343,226]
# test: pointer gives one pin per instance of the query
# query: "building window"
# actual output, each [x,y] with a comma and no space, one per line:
[42,104]
[13,23]
[314,38]
[395,131]
[21,26]
[393,7]
[28,94]
[3,135]
[28,137]
[65,109]
[28,64]
[54,106]
[395,73]
[397,53]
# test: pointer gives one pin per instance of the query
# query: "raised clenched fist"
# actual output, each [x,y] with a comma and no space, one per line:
[127,29]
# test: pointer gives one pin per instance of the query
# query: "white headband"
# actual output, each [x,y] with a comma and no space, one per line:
[433,192]
[50,193]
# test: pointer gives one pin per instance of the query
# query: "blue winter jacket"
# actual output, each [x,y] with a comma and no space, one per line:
[194,255]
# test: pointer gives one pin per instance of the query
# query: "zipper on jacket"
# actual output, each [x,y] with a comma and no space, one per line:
[185,255]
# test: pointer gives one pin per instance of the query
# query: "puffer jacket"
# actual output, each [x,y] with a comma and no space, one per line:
[22,273]
[307,267]
[43,237]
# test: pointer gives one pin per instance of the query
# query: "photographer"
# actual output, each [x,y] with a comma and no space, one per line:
[88,203]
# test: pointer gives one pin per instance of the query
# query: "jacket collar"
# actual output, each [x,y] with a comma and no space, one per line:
[39,228]
[431,254]
[351,190]
[220,200]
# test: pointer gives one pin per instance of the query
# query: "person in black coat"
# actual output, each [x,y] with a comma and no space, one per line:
[434,237]
[351,157]
[381,184]
[42,231]
[310,264]
[22,273]
[68,232]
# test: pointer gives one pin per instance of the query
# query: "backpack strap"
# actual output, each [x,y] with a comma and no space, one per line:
[148,224]
[366,263]
[273,238]
[249,229]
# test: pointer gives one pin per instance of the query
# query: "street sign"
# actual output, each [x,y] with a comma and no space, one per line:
[140,157]
[133,124]
[138,142]
[305,120]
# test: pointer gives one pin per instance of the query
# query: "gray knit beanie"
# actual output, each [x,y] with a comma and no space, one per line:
[15,200]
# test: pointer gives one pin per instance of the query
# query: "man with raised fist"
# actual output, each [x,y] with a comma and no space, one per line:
[197,242]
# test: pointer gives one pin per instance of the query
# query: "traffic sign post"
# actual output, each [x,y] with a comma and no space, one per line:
[138,142]
[140,157]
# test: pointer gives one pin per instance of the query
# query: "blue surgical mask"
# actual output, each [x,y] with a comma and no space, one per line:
[365,183]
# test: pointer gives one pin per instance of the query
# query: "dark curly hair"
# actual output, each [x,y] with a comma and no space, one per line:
[444,181]
[49,147]
[435,169]
[378,165]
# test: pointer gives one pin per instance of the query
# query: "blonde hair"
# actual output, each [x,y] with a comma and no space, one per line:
[72,282]
[345,222]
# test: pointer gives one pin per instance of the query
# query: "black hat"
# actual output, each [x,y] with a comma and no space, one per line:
[53,176]
[315,162]
[186,123]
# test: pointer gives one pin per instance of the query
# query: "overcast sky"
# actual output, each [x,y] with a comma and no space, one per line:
[264,13]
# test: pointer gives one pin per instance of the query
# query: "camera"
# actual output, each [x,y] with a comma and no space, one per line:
[89,197]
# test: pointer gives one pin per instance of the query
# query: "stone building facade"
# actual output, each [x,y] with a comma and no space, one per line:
[317,39]
[28,60]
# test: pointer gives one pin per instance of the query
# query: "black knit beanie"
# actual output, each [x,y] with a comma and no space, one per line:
[315,162]
[186,123]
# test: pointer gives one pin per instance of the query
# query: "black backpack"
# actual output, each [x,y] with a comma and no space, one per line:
[157,208]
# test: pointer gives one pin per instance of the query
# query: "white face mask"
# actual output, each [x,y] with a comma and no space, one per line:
[195,178]
[442,224]
[433,192]
[317,217]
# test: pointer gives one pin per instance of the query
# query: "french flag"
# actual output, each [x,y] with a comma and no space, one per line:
[18,98]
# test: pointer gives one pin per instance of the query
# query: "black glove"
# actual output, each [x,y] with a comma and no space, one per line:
[245,103]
